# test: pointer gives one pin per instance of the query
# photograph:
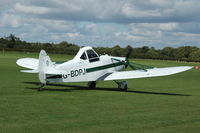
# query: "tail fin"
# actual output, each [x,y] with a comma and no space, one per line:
[44,63]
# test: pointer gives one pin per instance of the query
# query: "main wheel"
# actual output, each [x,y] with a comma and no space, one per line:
[92,84]
[123,86]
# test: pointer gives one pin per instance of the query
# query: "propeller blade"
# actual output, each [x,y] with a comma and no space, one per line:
[116,59]
[129,53]
[133,66]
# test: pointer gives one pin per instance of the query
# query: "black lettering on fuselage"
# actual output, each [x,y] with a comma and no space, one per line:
[74,73]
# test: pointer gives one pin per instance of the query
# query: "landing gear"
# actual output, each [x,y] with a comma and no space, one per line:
[41,87]
[92,84]
[123,85]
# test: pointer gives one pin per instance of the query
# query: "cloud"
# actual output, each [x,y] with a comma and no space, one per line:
[131,11]
[31,9]
[156,23]
[161,34]
[115,11]
[10,20]
[91,27]
[73,35]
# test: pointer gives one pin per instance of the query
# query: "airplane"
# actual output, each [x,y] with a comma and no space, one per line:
[88,66]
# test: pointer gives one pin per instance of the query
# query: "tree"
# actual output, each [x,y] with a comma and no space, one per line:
[12,40]
[183,53]
[145,49]
[152,53]
[116,50]
[167,53]
[195,55]
[64,44]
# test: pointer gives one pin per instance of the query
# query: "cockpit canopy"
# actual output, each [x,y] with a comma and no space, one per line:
[87,53]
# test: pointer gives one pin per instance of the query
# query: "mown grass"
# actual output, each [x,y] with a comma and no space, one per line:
[153,105]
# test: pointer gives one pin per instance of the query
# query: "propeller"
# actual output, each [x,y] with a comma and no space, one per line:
[126,61]
[129,53]
[132,65]
[127,58]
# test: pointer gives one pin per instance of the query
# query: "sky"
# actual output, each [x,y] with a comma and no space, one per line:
[153,23]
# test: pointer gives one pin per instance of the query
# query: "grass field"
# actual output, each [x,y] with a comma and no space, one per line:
[168,104]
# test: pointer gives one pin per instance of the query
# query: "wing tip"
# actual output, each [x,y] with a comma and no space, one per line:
[187,67]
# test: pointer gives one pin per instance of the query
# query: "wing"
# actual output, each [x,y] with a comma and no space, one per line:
[30,63]
[149,73]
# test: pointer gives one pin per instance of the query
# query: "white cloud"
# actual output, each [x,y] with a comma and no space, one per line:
[168,26]
[39,29]
[10,20]
[154,26]
[91,28]
[74,35]
[57,25]
[146,22]
[131,11]
[31,9]
[160,2]
[67,6]
[130,37]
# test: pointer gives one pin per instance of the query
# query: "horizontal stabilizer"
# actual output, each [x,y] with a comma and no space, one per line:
[30,71]
[30,63]
[149,73]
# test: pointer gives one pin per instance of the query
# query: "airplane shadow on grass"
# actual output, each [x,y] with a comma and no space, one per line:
[77,87]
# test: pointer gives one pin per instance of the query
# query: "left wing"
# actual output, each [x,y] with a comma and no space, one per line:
[149,73]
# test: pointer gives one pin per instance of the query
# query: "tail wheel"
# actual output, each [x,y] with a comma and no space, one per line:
[40,88]
[92,84]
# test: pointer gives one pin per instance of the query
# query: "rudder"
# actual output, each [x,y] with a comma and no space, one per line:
[44,63]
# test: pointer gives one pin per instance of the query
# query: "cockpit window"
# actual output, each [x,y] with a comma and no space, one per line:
[83,56]
[92,56]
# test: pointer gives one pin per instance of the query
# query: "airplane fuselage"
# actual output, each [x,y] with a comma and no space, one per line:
[77,70]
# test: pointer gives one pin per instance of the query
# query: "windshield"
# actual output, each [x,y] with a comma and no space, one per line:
[92,56]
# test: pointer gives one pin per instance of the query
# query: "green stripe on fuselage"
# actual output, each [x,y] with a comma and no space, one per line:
[93,69]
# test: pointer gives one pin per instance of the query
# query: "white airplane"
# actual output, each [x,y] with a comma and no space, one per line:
[88,66]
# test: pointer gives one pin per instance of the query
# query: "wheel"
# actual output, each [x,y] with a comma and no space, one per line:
[123,86]
[92,85]
[40,88]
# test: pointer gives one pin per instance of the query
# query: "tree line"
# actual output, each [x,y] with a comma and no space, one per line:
[184,53]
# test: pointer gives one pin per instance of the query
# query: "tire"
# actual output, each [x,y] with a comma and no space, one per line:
[92,85]
[124,88]
[40,89]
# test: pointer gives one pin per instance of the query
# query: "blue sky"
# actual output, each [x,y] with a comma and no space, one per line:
[157,23]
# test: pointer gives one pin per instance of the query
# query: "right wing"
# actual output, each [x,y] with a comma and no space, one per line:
[149,73]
